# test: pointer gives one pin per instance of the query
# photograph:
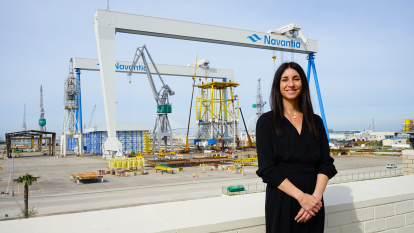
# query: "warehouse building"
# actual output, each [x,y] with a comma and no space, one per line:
[130,135]
[393,141]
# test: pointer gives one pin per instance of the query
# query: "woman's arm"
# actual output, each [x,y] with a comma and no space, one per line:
[268,169]
[321,183]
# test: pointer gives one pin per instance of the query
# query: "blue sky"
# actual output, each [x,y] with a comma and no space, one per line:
[365,53]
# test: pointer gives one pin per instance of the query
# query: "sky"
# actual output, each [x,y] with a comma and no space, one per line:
[364,52]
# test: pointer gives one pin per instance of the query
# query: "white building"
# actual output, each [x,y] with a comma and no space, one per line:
[383,135]
[393,141]
[337,136]
[362,136]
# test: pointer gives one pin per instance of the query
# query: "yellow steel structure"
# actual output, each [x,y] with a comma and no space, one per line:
[217,101]
[126,163]
[147,142]
[408,125]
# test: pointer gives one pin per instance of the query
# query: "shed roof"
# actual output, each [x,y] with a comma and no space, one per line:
[120,127]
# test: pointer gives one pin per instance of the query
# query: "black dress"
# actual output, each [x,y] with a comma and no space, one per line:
[297,157]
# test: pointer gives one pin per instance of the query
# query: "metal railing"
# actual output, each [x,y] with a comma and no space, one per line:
[248,188]
[339,178]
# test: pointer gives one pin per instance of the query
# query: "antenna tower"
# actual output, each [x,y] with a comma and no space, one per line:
[24,119]
[42,120]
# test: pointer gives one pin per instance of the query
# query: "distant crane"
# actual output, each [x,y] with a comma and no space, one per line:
[259,105]
[89,120]
[42,120]
[71,118]
[24,119]
[162,124]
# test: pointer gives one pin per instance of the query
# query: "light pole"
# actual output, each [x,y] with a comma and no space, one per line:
[12,192]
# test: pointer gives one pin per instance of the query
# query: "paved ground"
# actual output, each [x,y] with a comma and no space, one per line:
[56,193]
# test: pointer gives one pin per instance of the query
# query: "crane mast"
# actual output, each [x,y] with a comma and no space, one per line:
[162,128]
[42,120]
[71,122]
[24,119]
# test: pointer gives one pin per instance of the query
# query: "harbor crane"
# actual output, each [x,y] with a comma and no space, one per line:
[89,120]
[251,145]
[162,123]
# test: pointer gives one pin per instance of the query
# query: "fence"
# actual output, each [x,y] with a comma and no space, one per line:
[248,188]
[339,178]
[366,175]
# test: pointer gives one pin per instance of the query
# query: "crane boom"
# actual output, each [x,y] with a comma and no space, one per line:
[161,98]
[247,132]
[89,120]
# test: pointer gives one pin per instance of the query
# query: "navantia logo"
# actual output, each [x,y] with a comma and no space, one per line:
[125,67]
[268,40]
[254,38]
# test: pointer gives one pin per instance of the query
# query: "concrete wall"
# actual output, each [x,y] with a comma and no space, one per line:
[382,205]
[408,162]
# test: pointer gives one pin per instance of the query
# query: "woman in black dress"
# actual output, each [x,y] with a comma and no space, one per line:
[294,157]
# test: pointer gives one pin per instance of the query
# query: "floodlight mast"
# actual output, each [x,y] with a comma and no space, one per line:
[161,98]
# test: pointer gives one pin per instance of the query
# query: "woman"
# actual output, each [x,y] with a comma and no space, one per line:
[293,154]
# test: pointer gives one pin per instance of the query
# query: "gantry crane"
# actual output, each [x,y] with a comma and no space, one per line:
[161,98]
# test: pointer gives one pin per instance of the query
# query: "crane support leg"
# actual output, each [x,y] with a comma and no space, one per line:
[79,112]
[105,39]
[311,66]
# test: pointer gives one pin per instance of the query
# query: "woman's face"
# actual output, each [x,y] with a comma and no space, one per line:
[290,84]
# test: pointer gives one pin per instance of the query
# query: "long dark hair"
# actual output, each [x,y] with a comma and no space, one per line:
[305,104]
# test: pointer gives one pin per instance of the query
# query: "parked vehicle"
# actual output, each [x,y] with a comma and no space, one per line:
[391,165]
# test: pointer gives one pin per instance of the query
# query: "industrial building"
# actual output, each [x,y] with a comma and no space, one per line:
[130,135]
[383,135]
[392,141]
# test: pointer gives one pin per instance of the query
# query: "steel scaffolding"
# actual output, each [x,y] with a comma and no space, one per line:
[131,141]
[217,111]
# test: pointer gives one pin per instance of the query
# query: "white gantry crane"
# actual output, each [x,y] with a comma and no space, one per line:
[162,128]
[71,123]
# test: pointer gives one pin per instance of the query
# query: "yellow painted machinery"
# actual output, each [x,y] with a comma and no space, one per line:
[408,125]
[164,167]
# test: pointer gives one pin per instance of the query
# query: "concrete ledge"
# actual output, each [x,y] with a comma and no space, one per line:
[365,206]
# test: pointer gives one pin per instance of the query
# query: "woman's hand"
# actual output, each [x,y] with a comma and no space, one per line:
[302,216]
[310,203]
